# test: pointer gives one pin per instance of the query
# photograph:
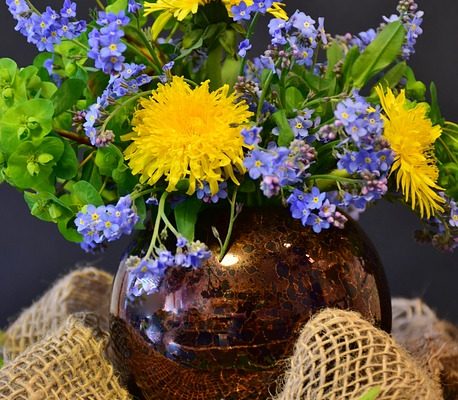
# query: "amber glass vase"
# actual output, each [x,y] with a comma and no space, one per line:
[224,331]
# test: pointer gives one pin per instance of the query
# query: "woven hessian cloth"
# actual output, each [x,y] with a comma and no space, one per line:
[53,353]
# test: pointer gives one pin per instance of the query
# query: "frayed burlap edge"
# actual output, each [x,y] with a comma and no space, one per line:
[339,355]
[69,364]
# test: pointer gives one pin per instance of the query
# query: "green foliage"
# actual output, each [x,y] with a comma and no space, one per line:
[186,217]
[379,54]
[286,134]
[67,95]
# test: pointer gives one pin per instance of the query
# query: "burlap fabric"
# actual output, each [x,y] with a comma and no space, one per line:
[67,365]
[433,343]
[84,290]
[339,355]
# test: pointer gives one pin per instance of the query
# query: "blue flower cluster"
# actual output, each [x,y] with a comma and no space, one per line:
[126,82]
[49,28]
[365,152]
[412,22]
[442,230]
[105,223]
[147,274]
[279,166]
[242,11]
[301,34]
[315,209]
[106,45]
[204,193]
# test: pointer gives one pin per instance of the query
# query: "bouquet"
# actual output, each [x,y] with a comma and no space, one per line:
[150,113]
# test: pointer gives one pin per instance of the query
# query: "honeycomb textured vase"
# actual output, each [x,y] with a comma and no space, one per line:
[224,331]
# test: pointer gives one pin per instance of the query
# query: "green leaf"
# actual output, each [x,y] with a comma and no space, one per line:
[32,117]
[8,69]
[247,186]
[350,59]
[228,39]
[294,98]
[22,171]
[371,394]
[191,37]
[286,134]
[67,167]
[47,207]
[124,179]
[334,54]
[140,209]
[416,90]
[84,194]
[117,6]
[435,113]
[68,231]
[230,71]
[67,95]
[186,217]
[108,159]
[379,54]
[394,75]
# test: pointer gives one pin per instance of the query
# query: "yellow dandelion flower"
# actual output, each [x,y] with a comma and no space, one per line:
[411,135]
[180,9]
[184,133]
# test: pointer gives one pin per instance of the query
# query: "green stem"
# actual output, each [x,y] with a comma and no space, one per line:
[100,4]
[78,43]
[248,36]
[157,224]
[447,149]
[169,225]
[323,99]
[152,51]
[32,7]
[232,219]
[172,32]
[135,195]
[265,88]
[104,184]
[333,178]
[121,105]
[135,50]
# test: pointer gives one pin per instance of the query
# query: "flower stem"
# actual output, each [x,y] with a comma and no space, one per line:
[447,149]
[232,219]
[334,178]
[262,98]
[120,106]
[157,223]
[100,4]
[248,36]
[73,136]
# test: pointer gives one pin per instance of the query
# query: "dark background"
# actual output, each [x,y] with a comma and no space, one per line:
[33,254]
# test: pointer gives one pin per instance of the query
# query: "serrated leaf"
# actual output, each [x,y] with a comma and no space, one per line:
[385,48]
[186,217]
